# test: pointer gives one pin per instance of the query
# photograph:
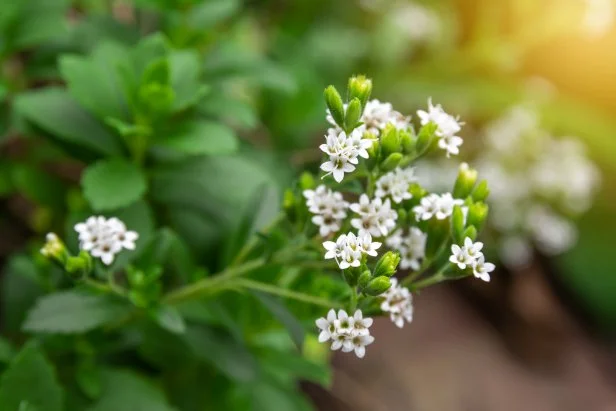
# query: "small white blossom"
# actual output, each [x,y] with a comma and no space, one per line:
[412,247]
[398,303]
[473,250]
[481,269]
[396,184]
[104,238]
[460,257]
[375,217]
[447,127]
[349,249]
[329,207]
[343,151]
[53,246]
[375,117]
[434,205]
[348,333]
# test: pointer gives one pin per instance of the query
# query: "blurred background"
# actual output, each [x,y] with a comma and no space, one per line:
[542,334]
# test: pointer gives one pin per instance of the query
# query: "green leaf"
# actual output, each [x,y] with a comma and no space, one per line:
[20,289]
[291,366]
[39,186]
[230,110]
[69,312]
[6,351]
[200,137]
[222,351]
[128,391]
[209,13]
[111,184]
[55,112]
[258,213]
[282,314]
[170,319]
[31,380]
[103,97]
[185,72]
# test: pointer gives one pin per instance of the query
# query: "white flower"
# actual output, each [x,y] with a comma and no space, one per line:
[412,247]
[398,303]
[327,326]
[367,246]
[450,144]
[329,207]
[53,246]
[346,332]
[104,238]
[473,250]
[460,257]
[375,217]
[396,184]
[437,206]
[447,127]
[481,269]
[343,151]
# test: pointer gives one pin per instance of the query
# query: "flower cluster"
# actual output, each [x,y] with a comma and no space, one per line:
[398,303]
[375,117]
[538,184]
[349,249]
[375,217]
[104,238]
[328,207]
[447,127]
[395,184]
[346,332]
[411,247]
[435,205]
[343,151]
[470,255]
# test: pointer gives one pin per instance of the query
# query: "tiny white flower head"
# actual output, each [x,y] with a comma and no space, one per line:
[53,246]
[104,238]
[427,207]
[460,257]
[358,343]
[481,269]
[398,302]
[368,246]
[327,326]
[337,166]
[473,249]
[451,144]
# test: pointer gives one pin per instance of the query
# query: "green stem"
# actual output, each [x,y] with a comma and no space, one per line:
[353,303]
[204,286]
[254,241]
[282,292]
[435,279]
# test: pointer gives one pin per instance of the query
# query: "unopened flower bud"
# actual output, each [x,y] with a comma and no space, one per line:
[288,204]
[360,87]
[54,248]
[481,192]
[79,266]
[365,278]
[334,104]
[390,141]
[425,137]
[402,216]
[351,276]
[378,286]
[391,162]
[306,181]
[457,224]
[387,264]
[407,141]
[467,177]
[477,215]
[470,232]
[352,115]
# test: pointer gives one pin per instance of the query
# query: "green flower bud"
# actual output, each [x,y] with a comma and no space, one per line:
[55,249]
[352,115]
[402,216]
[288,204]
[477,215]
[467,177]
[457,224]
[391,162]
[425,138]
[470,232]
[407,141]
[351,276]
[438,234]
[481,192]
[378,286]
[390,141]
[360,87]
[334,104]
[387,264]
[417,191]
[306,181]
[364,279]
[76,266]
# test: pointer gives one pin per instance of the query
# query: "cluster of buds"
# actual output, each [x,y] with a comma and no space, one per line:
[375,199]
